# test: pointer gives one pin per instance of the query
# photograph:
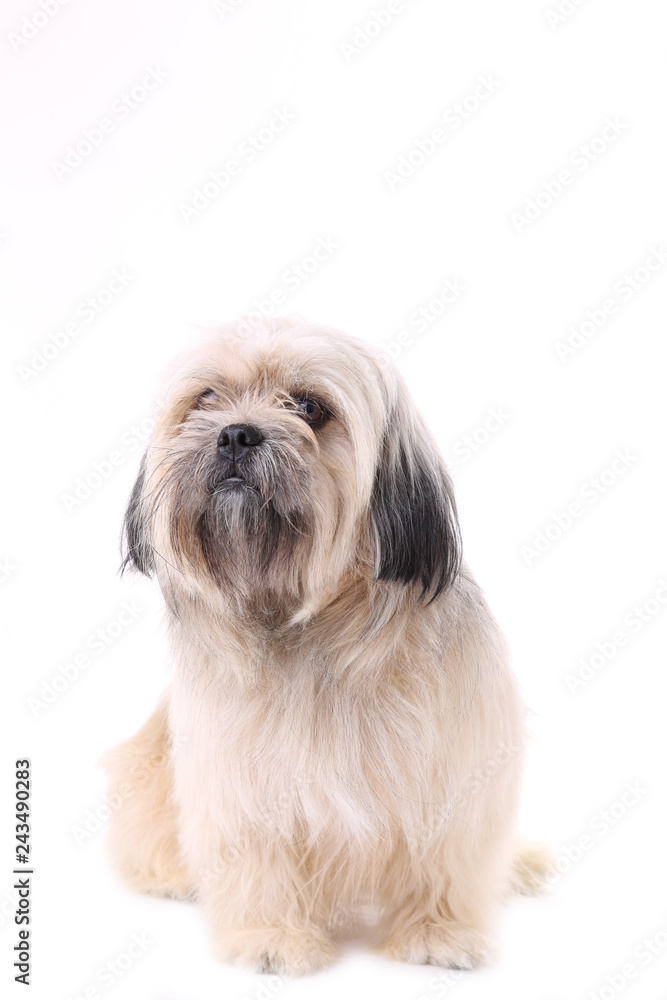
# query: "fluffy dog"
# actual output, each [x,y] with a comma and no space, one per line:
[343,735]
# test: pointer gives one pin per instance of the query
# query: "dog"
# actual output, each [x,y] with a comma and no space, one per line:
[343,738]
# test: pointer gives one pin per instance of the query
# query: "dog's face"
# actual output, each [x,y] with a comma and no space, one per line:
[286,464]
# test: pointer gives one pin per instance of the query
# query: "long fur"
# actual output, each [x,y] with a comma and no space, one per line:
[350,735]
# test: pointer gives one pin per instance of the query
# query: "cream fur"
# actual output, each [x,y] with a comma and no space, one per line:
[345,745]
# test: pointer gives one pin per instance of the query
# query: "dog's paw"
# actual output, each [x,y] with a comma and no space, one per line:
[447,944]
[279,950]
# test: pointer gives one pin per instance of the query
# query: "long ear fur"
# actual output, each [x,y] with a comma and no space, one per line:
[413,508]
[137,550]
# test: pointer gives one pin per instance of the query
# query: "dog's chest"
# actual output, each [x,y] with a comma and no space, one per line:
[311,757]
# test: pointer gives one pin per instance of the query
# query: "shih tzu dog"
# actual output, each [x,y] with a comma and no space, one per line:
[343,735]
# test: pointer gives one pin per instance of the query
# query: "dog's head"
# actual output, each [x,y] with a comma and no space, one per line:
[285,464]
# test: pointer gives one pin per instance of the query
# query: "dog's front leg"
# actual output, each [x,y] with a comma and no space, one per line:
[451,886]
[260,908]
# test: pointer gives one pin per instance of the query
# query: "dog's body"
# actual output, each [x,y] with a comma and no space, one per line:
[343,730]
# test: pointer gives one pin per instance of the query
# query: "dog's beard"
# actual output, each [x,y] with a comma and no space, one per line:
[243,523]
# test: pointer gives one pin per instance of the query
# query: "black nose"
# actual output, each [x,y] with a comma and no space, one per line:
[237,439]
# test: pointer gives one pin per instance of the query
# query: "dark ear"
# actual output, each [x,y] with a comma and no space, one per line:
[137,550]
[417,531]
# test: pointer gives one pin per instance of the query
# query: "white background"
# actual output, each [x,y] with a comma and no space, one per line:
[355,112]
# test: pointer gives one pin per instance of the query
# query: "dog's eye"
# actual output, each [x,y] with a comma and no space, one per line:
[311,411]
[207,396]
